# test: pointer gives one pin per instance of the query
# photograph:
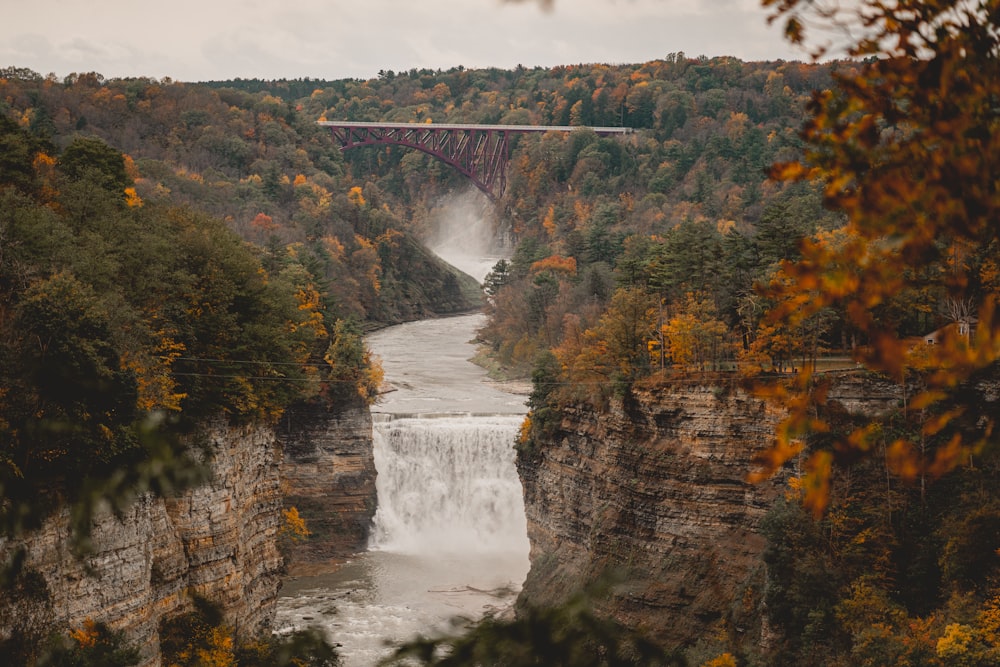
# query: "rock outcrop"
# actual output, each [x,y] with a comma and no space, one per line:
[328,474]
[655,487]
[217,541]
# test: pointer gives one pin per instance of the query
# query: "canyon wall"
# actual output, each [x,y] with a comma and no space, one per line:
[217,541]
[328,474]
[653,489]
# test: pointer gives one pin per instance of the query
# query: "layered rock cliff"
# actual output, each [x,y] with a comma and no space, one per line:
[655,486]
[328,474]
[217,541]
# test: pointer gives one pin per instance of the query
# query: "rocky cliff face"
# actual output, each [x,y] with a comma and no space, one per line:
[654,486]
[217,541]
[328,474]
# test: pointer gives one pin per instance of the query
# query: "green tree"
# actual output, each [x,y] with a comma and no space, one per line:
[627,326]
[88,157]
[802,584]
[84,398]
[17,152]
[689,258]
[498,276]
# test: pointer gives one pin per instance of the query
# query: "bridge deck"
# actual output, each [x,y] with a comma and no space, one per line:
[493,128]
[480,152]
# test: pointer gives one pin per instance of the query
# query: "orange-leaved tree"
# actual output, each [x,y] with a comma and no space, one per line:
[905,145]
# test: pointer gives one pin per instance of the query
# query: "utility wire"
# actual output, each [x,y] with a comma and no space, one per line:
[237,361]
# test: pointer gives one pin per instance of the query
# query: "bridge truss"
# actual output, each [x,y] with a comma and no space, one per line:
[479,152]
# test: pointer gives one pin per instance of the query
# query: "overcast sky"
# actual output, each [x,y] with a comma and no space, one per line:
[198,40]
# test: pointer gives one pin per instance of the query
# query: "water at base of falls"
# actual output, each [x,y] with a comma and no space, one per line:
[449,539]
[383,598]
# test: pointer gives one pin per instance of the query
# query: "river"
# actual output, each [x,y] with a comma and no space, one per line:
[449,539]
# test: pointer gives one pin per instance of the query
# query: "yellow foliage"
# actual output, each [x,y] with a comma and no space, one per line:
[191,176]
[366,261]
[130,167]
[694,337]
[313,199]
[219,649]
[334,247]
[45,168]
[724,660]
[295,526]
[955,642]
[372,377]
[43,162]
[627,200]
[85,637]
[153,372]
[582,211]
[794,490]
[556,263]
[389,238]
[355,197]
[310,302]
[549,222]
[244,398]
[132,199]
[524,435]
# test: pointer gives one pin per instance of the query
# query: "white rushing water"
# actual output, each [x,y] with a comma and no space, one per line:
[449,538]
[445,487]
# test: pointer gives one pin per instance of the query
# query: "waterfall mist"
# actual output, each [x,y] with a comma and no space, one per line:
[464,233]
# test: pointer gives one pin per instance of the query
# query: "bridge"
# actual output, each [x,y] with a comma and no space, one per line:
[479,152]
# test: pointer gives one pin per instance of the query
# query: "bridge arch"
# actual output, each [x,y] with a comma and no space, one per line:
[479,152]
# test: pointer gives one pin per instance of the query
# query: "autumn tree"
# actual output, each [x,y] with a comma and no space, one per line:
[351,372]
[693,337]
[608,357]
[903,147]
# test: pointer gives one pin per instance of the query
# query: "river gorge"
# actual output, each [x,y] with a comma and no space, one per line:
[449,536]
[655,483]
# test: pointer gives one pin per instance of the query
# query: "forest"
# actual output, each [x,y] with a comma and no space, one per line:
[173,251]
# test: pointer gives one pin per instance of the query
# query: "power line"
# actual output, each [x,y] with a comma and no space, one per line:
[239,361]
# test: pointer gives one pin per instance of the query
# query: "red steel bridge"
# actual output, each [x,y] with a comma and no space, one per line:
[479,152]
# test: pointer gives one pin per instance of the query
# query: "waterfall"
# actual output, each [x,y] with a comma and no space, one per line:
[447,484]
[450,535]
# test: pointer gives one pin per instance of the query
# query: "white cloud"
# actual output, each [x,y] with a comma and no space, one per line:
[199,39]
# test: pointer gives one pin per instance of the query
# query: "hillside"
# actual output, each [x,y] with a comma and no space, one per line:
[160,238]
